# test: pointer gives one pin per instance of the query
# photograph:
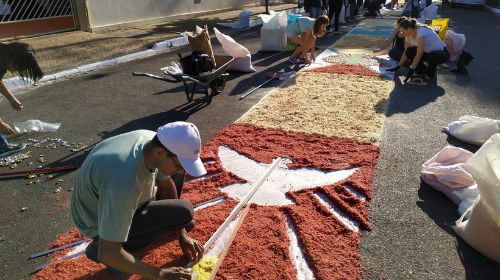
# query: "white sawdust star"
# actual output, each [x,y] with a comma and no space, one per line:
[282,179]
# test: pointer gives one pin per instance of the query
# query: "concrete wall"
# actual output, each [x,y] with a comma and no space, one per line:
[113,14]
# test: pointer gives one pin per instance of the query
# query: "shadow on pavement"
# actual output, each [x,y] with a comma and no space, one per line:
[408,98]
[458,143]
[443,212]
[152,122]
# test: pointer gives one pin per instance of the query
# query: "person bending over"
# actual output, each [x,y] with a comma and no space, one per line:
[423,48]
[303,32]
[18,58]
[114,197]
[396,40]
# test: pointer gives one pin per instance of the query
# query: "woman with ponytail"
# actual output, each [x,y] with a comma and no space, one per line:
[18,58]
[423,49]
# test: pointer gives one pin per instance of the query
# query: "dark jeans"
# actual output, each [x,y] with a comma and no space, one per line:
[334,9]
[433,58]
[396,53]
[158,216]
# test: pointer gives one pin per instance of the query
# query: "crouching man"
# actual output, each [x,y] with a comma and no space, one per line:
[114,198]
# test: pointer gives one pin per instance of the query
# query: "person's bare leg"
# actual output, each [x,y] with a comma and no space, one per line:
[297,40]
[309,44]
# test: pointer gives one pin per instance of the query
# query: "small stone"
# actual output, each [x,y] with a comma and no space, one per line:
[50,176]
[57,190]
[70,189]
[24,209]
[31,176]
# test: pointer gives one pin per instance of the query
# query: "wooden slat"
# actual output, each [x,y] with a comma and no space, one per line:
[223,254]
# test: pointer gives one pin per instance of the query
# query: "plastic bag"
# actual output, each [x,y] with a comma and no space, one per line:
[485,169]
[173,69]
[482,230]
[36,125]
[431,11]
[273,32]
[230,46]
[472,129]
[241,64]
[445,172]
[455,43]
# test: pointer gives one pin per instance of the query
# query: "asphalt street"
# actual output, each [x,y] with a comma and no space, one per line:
[411,236]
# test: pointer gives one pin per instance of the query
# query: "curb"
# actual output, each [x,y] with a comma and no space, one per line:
[493,9]
[15,84]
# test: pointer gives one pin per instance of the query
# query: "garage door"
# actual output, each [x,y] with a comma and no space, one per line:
[35,17]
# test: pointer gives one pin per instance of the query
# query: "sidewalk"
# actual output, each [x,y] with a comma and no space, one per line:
[63,51]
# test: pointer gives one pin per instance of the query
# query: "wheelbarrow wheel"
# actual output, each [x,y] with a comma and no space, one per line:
[218,85]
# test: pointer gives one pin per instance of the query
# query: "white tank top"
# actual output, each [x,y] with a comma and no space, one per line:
[432,40]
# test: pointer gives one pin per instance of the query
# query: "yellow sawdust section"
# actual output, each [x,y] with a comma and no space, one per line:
[203,269]
[346,106]
[359,44]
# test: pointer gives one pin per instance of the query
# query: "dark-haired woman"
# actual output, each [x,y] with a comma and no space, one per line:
[396,40]
[18,58]
[423,48]
[303,32]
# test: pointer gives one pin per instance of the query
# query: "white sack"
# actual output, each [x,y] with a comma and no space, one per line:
[273,32]
[472,129]
[482,230]
[230,46]
[445,172]
[484,167]
[242,64]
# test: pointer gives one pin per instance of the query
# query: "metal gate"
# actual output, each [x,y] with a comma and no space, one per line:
[34,17]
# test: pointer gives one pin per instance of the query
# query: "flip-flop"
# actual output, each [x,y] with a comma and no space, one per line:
[296,60]
[417,81]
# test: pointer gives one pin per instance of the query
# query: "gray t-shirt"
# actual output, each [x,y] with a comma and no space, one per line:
[432,40]
[111,184]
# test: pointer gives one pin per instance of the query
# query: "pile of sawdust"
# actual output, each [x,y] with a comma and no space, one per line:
[345,106]
[357,44]
[361,59]
[203,269]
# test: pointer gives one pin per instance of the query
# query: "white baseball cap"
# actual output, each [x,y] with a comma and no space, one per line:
[183,139]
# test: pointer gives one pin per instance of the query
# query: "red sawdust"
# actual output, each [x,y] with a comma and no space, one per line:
[199,191]
[331,250]
[305,150]
[261,249]
[346,69]
[71,236]
[162,252]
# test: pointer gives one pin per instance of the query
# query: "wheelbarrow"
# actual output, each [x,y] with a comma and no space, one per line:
[215,80]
